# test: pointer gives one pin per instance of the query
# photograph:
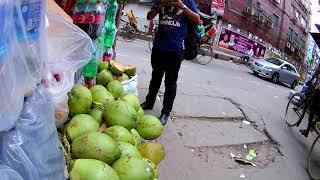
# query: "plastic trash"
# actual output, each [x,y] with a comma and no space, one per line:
[32,147]
[8,173]
[21,55]
[69,49]
[131,85]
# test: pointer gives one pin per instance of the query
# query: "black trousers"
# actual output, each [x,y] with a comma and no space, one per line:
[314,107]
[164,63]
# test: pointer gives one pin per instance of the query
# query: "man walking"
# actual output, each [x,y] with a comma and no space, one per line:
[167,51]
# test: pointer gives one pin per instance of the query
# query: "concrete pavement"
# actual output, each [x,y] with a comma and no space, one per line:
[211,104]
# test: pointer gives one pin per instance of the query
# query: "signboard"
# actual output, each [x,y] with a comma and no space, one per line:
[236,42]
[217,7]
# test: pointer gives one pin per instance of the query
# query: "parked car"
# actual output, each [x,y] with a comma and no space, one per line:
[277,70]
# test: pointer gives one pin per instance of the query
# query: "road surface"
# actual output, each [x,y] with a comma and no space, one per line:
[212,92]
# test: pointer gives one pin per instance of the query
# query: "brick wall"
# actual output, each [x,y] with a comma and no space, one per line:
[235,14]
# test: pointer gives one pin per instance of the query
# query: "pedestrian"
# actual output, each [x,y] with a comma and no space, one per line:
[248,55]
[315,101]
[167,51]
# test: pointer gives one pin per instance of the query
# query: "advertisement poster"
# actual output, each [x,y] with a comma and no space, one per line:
[234,41]
[217,7]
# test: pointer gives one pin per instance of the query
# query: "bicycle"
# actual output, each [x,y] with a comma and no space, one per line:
[129,29]
[298,106]
[205,51]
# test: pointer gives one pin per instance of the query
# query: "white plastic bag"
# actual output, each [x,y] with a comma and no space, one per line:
[32,147]
[20,55]
[8,173]
[69,49]
[131,85]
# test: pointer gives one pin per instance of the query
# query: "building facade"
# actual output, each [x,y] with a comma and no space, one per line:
[284,24]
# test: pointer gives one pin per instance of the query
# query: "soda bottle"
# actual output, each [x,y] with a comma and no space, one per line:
[90,72]
[110,24]
[90,17]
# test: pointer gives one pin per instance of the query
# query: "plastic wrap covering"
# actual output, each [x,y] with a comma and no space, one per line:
[20,55]
[8,173]
[32,147]
[69,49]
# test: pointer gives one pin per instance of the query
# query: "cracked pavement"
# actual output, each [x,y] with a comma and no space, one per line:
[207,123]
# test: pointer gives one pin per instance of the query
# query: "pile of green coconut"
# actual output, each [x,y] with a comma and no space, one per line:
[107,135]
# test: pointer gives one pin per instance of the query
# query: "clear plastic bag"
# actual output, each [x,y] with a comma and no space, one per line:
[131,85]
[69,49]
[32,147]
[8,173]
[21,56]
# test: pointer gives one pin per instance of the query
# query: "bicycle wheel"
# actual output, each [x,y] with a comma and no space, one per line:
[129,34]
[295,110]
[205,54]
[314,159]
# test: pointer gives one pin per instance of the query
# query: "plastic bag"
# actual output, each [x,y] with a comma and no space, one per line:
[20,55]
[32,147]
[69,49]
[8,173]
[131,85]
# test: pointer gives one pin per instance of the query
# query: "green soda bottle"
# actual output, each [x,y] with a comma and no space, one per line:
[90,72]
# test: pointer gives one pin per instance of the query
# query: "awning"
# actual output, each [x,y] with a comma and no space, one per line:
[316,38]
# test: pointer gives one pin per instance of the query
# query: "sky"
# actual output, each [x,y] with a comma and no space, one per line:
[315,18]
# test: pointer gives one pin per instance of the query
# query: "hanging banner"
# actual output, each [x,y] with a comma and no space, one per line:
[217,7]
[236,42]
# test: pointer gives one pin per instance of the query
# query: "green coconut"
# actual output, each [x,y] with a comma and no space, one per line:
[119,133]
[149,127]
[80,100]
[96,145]
[131,168]
[101,95]
[91,169]
[130,70]
[140,113]
[103,65]
[128,149]
[104,77]
[117,68]
[80,124]
[133,100]
[154,167]
[136,136]
[124,77]
[152,151]
[115,88]
[120,113]
[96,114]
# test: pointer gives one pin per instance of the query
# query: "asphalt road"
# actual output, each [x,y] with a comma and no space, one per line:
[238,83]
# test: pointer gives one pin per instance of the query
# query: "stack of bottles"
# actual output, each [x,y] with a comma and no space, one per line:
[89,15]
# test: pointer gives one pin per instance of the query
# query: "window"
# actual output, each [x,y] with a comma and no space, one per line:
[275,19]
[303,21]
[293,9]
[290,33]
[258,7]
[274,61]
[249,3]
[290,68]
